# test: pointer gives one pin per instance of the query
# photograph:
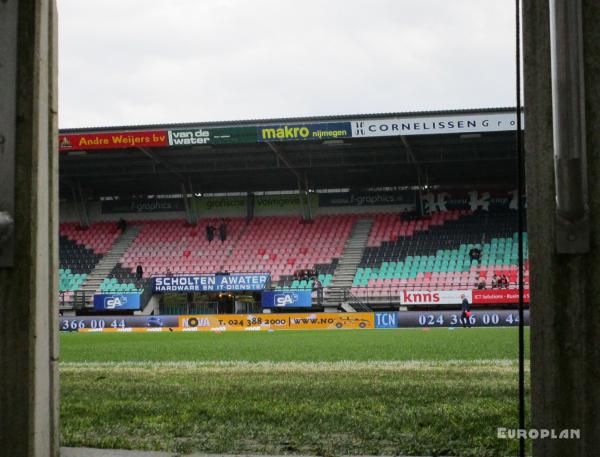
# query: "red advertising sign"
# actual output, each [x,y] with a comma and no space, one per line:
[115,140]
[434,297]
[498,296]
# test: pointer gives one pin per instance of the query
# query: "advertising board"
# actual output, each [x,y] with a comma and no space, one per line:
[308,131]
[496,318]
[235,282]
[154,205]
[432,125]
[434,297]
[115,140]
[498,296]
[265,322]
[287,299]
[116,302]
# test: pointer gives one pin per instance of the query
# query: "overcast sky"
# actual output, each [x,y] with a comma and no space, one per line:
[128,62]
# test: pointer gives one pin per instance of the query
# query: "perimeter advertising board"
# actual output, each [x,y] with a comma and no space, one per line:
[265,322]
[270,322]
[451,319]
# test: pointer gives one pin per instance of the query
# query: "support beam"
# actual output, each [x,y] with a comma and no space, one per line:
[28,289]
[565,291]
[158,161]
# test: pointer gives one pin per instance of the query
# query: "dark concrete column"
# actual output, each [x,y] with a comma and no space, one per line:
[28,289]
[565,289]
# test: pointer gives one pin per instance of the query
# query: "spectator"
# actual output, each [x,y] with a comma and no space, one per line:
[475,254]
[504,280]
[168,272]
[210,233]
[465,314]
[223,230]
[139,272]
[495,281]
[122,225]
[318,287]
[481,283]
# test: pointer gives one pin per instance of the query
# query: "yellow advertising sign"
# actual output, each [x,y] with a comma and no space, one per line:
[261,322]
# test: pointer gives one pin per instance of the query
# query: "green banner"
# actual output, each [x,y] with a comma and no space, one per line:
[205,204]
[219,135]
[283,201]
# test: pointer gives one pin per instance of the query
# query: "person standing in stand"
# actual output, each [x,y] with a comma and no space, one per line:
[318,287]
[210,232]
[466,313]
[223,230]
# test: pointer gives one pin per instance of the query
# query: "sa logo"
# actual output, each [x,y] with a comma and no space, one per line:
[114,302]
[285,299]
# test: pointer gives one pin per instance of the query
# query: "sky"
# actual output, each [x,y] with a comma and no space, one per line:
[132,62]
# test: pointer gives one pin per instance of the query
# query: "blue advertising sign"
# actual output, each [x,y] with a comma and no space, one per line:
[116,302]
[294,132]
[287,299]
[237,282]
[386,320]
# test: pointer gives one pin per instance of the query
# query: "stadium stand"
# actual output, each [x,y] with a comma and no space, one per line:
[278,245]
[403,252]
[80,250]
[432,252]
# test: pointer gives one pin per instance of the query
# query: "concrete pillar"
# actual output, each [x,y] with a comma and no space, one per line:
[565,289]
[28,290]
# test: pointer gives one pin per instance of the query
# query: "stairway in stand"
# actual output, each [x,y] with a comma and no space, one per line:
[348,264]
[107,263]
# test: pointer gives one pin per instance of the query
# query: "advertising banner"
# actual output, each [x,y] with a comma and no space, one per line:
[237,282]
[116,140]
[497,318]
[435,125]
[434,297]
[282,201]
[155,205]
[264,322]
[294,132]
[116,302]
[77,323]
[287,299]
[473,200]
[386,320]
[289,201]
[205,204]
[498,296]
[367,198]
[270,322]
[219,135]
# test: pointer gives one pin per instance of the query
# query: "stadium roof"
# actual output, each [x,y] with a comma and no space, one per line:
[443,148]
[329,118]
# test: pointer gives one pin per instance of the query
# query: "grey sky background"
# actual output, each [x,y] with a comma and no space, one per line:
[128,62]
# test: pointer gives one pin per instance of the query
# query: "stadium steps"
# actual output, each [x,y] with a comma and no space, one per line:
[92,285]
[348,264]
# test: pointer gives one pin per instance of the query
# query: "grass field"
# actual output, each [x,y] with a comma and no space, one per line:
[412,392]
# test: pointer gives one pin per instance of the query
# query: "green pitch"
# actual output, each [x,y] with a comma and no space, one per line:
[412,392]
